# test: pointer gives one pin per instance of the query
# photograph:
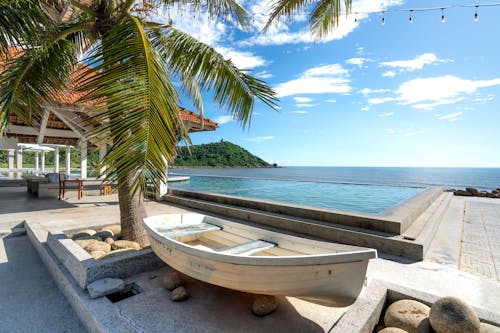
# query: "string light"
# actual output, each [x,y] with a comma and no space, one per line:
[382,22]
[443,19]
[411,17]
[476,17]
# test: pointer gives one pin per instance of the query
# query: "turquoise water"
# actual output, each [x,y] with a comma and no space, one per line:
[373,199]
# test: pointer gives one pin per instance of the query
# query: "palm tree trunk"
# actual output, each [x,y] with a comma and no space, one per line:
[132,211]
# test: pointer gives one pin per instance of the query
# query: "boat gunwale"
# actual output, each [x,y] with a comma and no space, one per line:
[297,260]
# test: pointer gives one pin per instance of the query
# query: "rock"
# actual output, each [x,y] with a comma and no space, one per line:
[462,193]
[409,315]
[105,287]
[491,195]
[117,253]
[104,234]
[264,305]
[125,244]
[98,246]
[482,194]
[85,242]
[392,330]
[472,190]
[487,328]
[83,233]
[109,240]
[171,280]
[179,294]
[451,314]
[97,254]
[116,229]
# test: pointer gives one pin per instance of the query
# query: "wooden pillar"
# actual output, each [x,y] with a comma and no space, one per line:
[43,160]
[83,161]
[162,187]
[11,153]
[102,153]
[37,162]
[68,160]
[56,159]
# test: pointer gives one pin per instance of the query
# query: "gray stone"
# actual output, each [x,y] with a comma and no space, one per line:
[97,254]
[264,305]
[472,190]
[117,253]
[125,244]
[109,240]
[98,246]
[116,229]
[171,280]
[451,314]
[392,330]
[104,234]
[105,287]
[482,194]
[462,193]
[83,234]
[409,315]
[179,294]
[487,328]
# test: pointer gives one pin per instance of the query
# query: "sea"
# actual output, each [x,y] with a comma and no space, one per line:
[373,190]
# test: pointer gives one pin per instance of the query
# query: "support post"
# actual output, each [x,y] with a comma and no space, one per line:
[102,171]
[163,186]
[19,161]
[56,159]
[11,153]
[83,161]
[68,160]
[37,162]
[43,161]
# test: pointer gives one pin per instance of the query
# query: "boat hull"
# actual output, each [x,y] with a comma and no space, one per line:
[323,282]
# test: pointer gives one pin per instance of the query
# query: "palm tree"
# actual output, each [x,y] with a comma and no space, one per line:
[131,64]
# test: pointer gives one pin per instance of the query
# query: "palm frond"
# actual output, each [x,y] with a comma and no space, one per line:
[137,105]
[215,8]
[323,19]
[233,89]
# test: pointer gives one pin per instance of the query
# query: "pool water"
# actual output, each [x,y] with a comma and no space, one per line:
[372,199]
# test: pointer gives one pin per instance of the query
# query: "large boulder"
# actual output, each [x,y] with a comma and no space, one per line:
[116,229]
[472,190]
[85,242]
[487,328]
[392,330]
[104,234]
[408,315]
[462,193]
[118,253]
[125,244]
[97,254]
[451,314]
[83,234]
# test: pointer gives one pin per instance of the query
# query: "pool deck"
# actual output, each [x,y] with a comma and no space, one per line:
[463,260]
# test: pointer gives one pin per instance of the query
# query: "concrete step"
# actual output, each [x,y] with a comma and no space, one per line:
[387,243]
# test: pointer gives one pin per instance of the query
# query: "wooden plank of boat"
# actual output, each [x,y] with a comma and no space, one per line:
[188,230]
[235,257]
[247,248]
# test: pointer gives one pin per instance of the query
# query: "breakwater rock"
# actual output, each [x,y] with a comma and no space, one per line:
[472,192]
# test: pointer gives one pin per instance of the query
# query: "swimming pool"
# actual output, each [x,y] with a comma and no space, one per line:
[372,199]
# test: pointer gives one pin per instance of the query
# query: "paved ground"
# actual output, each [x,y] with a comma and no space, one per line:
[29,299]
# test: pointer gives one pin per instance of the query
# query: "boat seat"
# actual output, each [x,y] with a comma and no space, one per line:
[247,248]
[188,230]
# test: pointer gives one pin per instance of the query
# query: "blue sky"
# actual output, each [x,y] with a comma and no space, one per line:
[401,94]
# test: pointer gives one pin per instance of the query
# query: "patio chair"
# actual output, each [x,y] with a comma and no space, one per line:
[67,184]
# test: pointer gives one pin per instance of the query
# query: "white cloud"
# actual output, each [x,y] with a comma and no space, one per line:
[305,105]
[331,100]
[390,131]
[322,79]
[223,120]
[417,63]
[450,117]
[358,61]
[367,91]
[264,75]
[413,133]
[299,99]
[389,74]
[365,108]
[426,93]
[300,112]
[259,139]
[243,60]
[385,115]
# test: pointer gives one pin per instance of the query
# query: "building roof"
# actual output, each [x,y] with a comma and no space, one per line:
[65,119]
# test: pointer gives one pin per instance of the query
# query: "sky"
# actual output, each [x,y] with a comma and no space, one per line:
[422,94]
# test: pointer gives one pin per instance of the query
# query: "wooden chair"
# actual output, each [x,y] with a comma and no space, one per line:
[66,184]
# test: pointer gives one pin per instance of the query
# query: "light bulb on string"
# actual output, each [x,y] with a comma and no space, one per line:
[443,19]
[410,19]
[382,21]
[476,17]
[356,17]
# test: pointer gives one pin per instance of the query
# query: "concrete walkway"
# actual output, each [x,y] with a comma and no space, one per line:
[29,299]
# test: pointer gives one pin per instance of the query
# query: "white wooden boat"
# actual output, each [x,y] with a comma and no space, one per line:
[258,261]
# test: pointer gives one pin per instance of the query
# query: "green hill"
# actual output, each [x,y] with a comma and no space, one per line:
[218,154]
